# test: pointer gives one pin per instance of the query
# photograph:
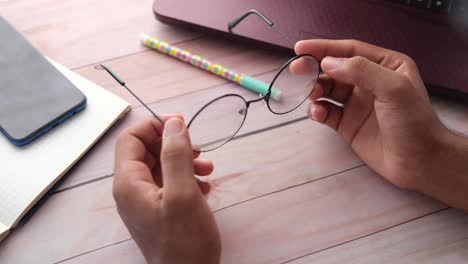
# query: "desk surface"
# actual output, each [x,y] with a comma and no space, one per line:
[301,196]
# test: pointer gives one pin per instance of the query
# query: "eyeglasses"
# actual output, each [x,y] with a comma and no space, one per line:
[218,121]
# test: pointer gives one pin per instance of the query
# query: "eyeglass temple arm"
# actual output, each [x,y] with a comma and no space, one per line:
[111,73]
[233,23]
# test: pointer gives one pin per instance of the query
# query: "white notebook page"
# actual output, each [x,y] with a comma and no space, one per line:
[3,231]
[27,172]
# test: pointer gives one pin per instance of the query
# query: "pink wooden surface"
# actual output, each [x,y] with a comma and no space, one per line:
[290,191]
[269,229]
[81,32]
[441,237]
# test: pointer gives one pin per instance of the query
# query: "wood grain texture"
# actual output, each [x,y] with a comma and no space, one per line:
[170,78]
[314,216]
[438,238]
[69,223]
[126,251]
[86,219]
[276,202]
[99,161]
[81,32]
[282,226]
[242,163]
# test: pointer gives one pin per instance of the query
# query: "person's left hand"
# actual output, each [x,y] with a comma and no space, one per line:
[159,198]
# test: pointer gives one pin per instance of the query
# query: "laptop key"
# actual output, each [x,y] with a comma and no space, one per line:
[460,9]
[420,3]
[442,6]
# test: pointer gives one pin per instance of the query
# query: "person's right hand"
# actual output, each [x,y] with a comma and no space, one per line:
[387,116]
[158,197]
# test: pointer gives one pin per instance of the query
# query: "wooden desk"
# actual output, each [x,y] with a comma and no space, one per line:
[301,196]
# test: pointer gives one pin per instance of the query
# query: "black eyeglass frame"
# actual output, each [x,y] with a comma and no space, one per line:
[265,97]
[231,24]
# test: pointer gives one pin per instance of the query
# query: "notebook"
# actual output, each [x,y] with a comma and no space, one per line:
[28,172]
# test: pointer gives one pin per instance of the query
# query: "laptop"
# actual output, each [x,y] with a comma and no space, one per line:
[433,32]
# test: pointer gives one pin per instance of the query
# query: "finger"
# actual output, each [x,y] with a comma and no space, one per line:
[205,187]
[325,113]
[131,160]
[385,84]
[340,92]
[133,184]
[133,143]
[326,87]
[196,151]
[317,112]
[177,160]
[392,60]
[321,48]
[132,175]
[322,88]
[304,65]
[134,162]
[203,167]
[149,133]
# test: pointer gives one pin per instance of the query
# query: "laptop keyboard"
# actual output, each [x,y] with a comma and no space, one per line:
[451,7]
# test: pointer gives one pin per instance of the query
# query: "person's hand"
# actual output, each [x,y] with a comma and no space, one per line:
[158,197]
[387,116]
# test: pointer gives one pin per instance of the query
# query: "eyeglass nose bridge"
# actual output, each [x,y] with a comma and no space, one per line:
[263,98]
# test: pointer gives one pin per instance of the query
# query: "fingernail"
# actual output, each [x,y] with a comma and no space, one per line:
[180,116]
[298,43]
[172,127]
[330,63]
[311,111]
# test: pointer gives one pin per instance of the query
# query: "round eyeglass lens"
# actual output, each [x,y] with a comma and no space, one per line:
[296,80]
[217,122]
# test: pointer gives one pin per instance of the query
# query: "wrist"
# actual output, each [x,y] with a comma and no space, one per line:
[445,175]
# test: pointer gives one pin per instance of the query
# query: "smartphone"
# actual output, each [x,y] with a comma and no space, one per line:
[34,95]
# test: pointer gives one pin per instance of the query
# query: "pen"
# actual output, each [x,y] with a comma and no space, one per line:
[197,61]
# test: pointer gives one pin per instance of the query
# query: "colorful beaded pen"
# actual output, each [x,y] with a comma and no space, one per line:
[183,55]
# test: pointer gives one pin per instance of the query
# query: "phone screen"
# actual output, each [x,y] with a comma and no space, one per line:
[34,95]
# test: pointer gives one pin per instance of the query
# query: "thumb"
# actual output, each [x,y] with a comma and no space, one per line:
[176,159]
[384,83]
